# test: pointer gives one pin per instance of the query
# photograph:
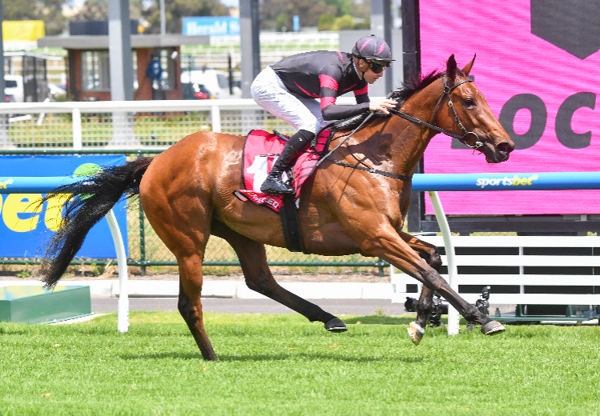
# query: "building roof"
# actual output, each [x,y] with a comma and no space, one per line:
[137,41]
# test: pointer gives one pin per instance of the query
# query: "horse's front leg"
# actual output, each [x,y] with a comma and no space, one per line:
[431,255]
[389,247]
[416,329]
[471,313]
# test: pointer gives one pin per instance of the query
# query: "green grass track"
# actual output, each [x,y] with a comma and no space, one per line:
[283,365]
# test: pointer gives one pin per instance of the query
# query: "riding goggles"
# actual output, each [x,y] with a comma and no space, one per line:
[377,66]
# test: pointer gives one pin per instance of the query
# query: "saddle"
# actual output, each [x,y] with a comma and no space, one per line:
[261,148]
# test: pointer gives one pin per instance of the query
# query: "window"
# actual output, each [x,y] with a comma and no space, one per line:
[95,70]
[168,56]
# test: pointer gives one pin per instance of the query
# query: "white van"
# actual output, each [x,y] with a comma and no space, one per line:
[13,87]
[216,81]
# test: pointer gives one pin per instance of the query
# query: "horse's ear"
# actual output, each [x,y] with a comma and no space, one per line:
[467,69]
[451,69]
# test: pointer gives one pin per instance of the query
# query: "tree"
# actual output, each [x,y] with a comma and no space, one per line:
[274,14]
[343,7]
[93,10]
[98,9]
[271,12]
[344,23]
[326,22]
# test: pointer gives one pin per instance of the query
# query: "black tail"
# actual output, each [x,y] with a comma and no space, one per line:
[92,198]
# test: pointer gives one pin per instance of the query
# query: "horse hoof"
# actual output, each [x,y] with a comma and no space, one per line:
[335,325]
[492,327]
[415,332]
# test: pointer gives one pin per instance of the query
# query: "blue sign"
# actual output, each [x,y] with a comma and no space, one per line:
[505,181]
[26,228]
[211,25]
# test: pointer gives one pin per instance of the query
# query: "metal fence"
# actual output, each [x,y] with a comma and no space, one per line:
[149,127]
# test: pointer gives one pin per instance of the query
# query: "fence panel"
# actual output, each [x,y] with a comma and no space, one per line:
[148,127]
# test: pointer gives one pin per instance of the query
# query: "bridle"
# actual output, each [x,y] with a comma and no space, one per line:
[446,93]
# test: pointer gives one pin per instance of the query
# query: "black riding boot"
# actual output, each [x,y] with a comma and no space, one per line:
[273,184]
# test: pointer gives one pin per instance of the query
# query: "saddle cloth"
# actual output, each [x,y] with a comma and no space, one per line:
[261,149]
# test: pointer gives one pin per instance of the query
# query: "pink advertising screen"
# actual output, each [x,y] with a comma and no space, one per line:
[538,65]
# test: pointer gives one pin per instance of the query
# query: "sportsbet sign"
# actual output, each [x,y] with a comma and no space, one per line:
[514,180]
[538,64]
[25,227]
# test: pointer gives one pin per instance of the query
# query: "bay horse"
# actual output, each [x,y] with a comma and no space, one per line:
[355,202]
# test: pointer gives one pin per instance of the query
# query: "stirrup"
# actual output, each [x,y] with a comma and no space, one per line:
[273,186]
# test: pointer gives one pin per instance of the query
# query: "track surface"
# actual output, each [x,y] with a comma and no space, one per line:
[229,305]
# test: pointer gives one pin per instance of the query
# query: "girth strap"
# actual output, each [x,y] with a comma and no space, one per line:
[290,223]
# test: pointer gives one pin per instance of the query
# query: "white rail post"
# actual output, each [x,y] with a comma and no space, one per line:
[123,306]
[77,136]
[215,118]
[453,316]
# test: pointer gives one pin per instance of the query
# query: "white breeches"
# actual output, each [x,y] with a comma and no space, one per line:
[301,113]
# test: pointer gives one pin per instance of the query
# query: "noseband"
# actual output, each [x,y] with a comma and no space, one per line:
[447,93]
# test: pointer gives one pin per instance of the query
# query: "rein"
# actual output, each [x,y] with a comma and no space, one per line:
[358,165]
[446,93]
[372,170]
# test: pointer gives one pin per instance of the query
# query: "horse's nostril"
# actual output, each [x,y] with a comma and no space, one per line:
[505,147]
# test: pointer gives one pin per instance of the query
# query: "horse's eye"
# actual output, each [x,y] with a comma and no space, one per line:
[469,102]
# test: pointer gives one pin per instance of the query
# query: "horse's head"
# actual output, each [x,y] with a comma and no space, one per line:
[463,110]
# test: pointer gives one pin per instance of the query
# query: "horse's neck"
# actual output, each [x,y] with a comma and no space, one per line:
[411,139]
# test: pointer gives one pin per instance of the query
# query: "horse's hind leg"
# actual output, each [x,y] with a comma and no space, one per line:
[190,306]
[181,227]
[253,259]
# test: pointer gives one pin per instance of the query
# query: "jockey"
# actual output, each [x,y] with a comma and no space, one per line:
[289,90]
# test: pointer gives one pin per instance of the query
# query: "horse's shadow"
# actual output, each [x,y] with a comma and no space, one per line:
[164,356]
[318,356]
[379,319]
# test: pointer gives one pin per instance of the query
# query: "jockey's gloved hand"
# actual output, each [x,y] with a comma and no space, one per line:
[382,104]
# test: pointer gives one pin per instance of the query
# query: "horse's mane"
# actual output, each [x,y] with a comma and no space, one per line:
[407,90]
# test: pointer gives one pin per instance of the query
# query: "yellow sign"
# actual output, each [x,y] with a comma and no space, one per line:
[22,30]
[21,212]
